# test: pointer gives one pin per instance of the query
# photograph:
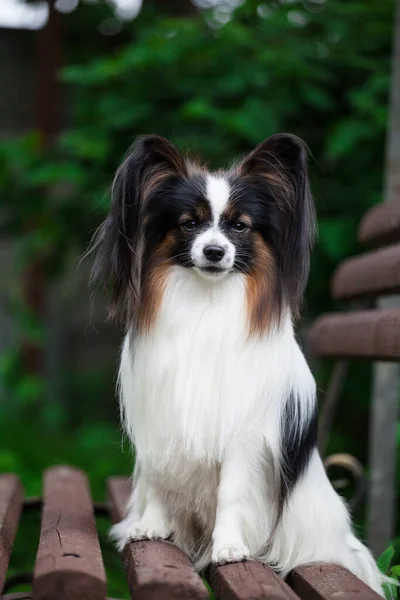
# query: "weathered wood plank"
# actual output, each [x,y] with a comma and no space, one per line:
[11,498]
[68,562]
[381,225]
[328,582]
[248,581]
[372,334]
[384,410]
[370,275]
[155,569]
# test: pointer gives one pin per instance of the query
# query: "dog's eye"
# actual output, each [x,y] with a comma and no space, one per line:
[189,225]
[239,226]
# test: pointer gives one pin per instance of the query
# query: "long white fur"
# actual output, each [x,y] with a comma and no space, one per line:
[202,403]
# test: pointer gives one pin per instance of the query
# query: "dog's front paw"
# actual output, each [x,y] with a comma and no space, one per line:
[119,534]
[150,530]
[230,553]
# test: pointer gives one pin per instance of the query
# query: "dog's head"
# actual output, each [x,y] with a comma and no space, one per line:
[256,219]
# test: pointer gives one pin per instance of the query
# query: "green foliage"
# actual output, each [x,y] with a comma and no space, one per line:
[385,564]
[385,559]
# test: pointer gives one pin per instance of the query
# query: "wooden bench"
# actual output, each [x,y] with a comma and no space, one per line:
[69,562]
[372,334]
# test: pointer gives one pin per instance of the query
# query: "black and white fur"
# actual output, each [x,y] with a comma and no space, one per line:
[208,271]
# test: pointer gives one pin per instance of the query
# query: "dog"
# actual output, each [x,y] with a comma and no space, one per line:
[207,271]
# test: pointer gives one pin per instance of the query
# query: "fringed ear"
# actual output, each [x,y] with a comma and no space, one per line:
[120,241]
[281,163]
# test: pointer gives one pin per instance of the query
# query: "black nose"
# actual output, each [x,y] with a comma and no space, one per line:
[214,253]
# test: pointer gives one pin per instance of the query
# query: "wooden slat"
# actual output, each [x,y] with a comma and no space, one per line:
[372,334]
[68,562]
[328,582]
[381,225]
[370,275]
[11,498]
[155,569]
[249,581]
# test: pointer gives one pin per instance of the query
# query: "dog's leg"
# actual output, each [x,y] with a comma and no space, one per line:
[146,517]
[240,492]
[154,522]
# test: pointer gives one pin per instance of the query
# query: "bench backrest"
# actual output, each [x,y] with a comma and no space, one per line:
[372,334]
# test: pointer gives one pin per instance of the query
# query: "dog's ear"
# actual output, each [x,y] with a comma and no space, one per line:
[120,241]
[281,162]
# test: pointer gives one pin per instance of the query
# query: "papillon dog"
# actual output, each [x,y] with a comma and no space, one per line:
[207,271]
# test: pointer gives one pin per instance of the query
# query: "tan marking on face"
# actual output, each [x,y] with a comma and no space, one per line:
[246,219]
[260,286]
[201,213]
[154,286]
[231,215]
[185,217]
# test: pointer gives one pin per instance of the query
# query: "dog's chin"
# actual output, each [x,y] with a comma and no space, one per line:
[211,273]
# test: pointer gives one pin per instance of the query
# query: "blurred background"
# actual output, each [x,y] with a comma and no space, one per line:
[80,79]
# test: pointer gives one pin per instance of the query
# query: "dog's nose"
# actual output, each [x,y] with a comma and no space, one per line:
[214,253]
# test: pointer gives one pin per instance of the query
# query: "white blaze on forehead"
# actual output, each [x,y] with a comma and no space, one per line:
[217,193]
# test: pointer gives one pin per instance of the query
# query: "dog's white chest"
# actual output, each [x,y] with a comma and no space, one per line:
[196,381]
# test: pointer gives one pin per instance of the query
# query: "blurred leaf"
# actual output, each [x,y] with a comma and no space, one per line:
[395,571]
[337,237]
[30,324]
[385,559]
[49,174]
[30,388]
[346,137]
[9,462]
